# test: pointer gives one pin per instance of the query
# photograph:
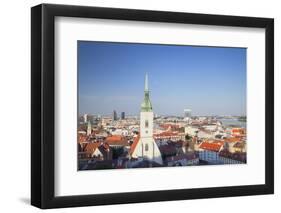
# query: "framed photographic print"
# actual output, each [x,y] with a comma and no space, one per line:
[139,106]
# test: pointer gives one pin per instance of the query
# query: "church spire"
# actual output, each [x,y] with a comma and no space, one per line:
[146,83]
[146,105]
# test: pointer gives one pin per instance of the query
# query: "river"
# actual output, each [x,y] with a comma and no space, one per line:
[233,122]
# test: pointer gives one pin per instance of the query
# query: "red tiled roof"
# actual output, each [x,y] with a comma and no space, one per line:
[166,126]
[238,131]
[134,144]
[232,140]
[114,138]
[91,147]
[166,134]
[221,142]
[211,146]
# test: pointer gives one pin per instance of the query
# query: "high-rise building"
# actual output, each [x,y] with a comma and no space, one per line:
[89,128]
[122,115]
[85,117]
[114,115]
[187,113]
[146,146]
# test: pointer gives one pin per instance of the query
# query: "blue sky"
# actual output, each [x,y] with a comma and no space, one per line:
[208,80]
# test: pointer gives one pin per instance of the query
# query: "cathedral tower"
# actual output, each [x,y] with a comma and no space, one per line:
[146,146]
[146,114]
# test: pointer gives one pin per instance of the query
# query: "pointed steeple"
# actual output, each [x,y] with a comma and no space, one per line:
[146,105]
[146,83]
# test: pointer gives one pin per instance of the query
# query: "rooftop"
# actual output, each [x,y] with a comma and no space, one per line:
[211,146]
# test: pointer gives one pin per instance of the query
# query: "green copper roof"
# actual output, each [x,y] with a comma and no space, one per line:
[146,105]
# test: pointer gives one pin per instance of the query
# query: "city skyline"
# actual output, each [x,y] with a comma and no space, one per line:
[208,80]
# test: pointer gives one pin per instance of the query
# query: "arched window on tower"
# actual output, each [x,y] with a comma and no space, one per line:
[146,123]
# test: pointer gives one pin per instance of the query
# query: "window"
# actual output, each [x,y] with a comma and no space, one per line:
[146,123]
[146,147]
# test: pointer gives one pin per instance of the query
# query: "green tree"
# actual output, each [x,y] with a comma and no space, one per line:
[188,137]
[117,152]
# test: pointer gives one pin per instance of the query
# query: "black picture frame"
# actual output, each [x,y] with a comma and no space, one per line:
[43,102]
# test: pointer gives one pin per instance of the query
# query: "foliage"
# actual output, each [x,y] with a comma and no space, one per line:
[188,137]
[117,152]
